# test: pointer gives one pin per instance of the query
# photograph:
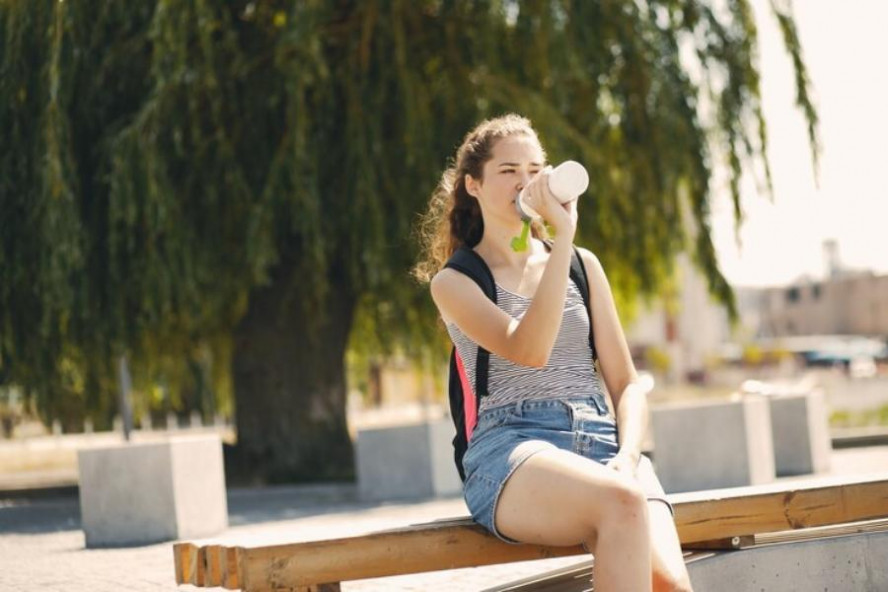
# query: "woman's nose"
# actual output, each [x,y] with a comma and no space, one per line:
[524,178]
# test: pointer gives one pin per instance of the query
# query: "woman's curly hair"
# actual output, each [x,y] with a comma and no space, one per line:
[453,218]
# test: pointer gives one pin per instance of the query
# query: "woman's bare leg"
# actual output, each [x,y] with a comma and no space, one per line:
[560,498]
[669,570]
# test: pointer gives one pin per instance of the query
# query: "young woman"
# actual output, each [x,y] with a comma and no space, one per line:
[547,462]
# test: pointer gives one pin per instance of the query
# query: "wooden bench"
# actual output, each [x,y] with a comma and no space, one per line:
[717,519]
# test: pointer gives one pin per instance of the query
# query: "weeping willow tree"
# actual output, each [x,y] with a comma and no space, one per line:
[242,178]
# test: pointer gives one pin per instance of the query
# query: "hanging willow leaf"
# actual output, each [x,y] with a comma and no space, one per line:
[246,177]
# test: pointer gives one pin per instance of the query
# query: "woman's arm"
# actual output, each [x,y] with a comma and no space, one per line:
[528,341]
[617,368]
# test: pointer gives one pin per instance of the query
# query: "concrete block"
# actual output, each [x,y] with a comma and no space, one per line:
[854,562]
[142,493]
[407,461]
[714,444]
[800,427]
[445,477]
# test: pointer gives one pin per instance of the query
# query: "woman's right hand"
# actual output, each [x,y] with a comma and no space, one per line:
[562,217]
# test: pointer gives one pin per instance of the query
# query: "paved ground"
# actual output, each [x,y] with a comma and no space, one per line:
[42,546]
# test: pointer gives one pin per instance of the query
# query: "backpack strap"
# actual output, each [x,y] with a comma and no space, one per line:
[470,263]
[579,277]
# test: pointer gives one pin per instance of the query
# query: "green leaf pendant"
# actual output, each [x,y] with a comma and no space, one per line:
[519,243]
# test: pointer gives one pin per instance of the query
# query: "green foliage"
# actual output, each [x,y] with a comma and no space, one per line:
[753,355]
[657,359]
[163,160]
[844,418]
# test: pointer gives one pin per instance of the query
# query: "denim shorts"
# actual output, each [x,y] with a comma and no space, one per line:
[507,435]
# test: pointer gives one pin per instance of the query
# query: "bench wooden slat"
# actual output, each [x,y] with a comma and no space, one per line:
[385,554]
[455,543]
[231,573]
[736,542]
[821,532]
[213,558]
[185,557]
[747,512]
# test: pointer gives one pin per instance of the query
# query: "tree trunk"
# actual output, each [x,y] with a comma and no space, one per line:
[290,390]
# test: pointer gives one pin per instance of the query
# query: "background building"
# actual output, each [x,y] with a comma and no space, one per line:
[806,315]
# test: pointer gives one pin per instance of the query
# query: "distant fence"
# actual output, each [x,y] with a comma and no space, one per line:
[59,451]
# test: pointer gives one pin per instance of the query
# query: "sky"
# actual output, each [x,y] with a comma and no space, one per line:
[846,51]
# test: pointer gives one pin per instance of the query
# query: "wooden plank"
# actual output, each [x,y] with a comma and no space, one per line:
[821,532]
[185,559]
[200,574]
[209,565]
[749,511]
[576,578]
[231,572]
[455,543]
[725,544]
[402,551]
[572,578]
[214,555]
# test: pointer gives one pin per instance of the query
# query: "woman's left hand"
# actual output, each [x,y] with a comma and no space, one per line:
[625,462]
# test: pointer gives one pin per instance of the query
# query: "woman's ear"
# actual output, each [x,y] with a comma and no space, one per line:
[471,185]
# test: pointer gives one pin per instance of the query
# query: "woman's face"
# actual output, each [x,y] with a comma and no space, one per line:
[514,162]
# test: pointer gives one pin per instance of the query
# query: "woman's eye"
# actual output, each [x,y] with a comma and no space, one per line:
[512,171]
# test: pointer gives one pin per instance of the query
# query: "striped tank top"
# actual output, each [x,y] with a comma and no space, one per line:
[569,373]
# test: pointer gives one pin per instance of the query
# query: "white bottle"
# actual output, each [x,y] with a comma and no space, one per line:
[567,181]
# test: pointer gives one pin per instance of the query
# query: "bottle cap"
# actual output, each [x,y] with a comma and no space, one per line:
[568,181]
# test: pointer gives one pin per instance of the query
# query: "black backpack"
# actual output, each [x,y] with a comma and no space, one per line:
[465,399]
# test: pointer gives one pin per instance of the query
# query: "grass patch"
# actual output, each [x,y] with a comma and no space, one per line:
[843,418]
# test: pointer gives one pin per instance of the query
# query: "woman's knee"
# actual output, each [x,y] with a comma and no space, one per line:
[625,500]
[619,504]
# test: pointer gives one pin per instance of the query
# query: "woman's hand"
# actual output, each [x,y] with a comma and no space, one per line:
[625,462]
[562,217]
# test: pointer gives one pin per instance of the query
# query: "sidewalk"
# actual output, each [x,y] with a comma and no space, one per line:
[42,545]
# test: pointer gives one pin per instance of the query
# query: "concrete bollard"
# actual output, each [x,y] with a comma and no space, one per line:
[800,427]
[408,461]
[172,421]
[143,493]
[712,445]
[195,420]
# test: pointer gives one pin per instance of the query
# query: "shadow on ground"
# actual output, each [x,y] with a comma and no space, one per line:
[38,513]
